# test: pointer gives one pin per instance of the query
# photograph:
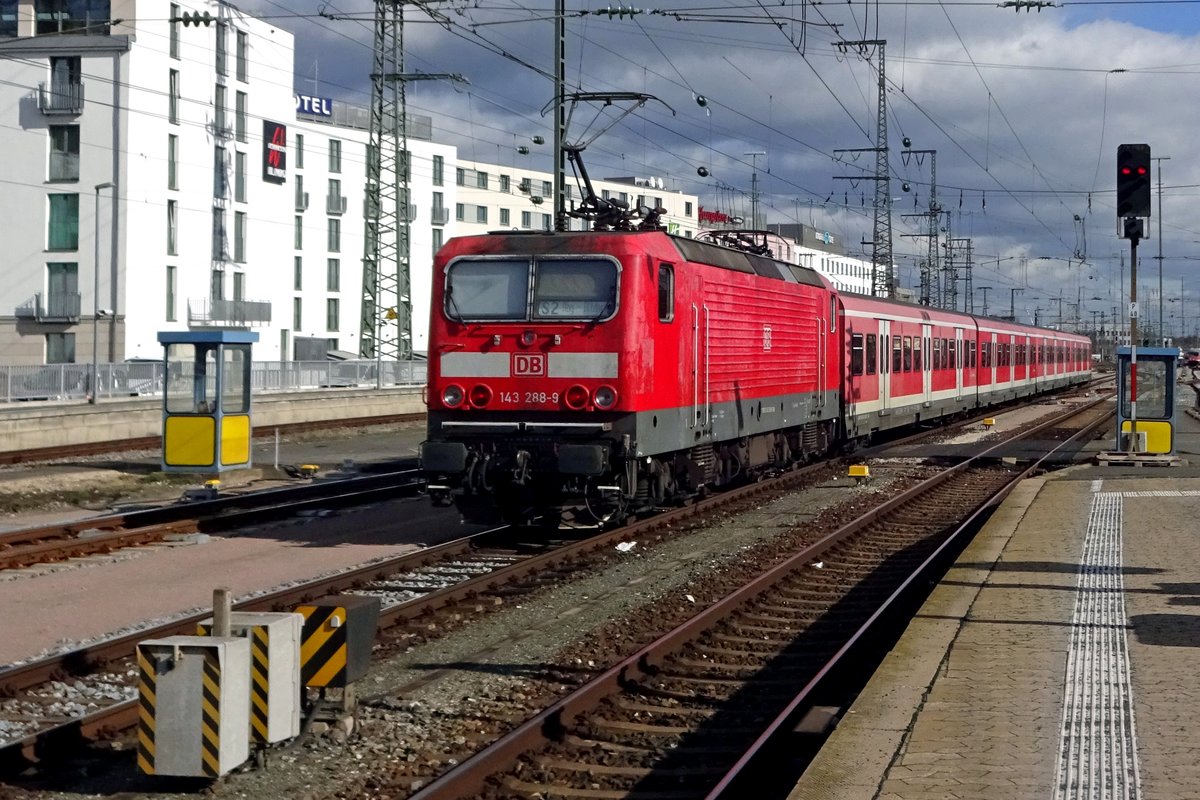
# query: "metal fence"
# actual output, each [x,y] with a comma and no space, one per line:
[134,378]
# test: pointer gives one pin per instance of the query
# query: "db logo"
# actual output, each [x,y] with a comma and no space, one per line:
[529,364]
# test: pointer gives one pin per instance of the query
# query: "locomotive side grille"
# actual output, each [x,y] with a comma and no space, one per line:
[705,457]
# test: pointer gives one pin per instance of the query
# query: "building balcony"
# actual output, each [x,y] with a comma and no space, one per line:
[301,201]
[60,97]
[209,312]
[335,204]
[408,213]
[439,216]
[61,307]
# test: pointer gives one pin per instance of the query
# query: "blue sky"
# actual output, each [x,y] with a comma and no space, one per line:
[1180,18]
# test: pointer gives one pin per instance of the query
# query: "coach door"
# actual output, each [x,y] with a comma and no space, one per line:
[701,402]
[958,356]
[885,365]
[926,365]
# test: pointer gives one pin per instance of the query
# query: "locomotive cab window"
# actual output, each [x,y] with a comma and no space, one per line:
[498,289]
[575,289]
[666,293]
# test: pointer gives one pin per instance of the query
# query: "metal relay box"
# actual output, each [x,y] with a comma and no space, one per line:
[193,705]
[274,671]
[337,639]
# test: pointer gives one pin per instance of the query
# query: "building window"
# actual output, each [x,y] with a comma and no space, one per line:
[60,348]
[301,195]
[547,188]
[64,152]
[171,278]
[64,222]
[481,214]
[220,178]
[439,171]
[222,46]
[89,17]
[297,273]
[174,30]
[460,212]
[687,208]
[299,151]
[62,289]
[239,119]
[217,284]
[335,155]
[333,275]
[172,227]
[331,314]
[437,240]
[505,183]
[220,244]
[239,286]
[243,53]
[173,98]
[504,216]
[545,222]
[297,319]
[172,161]
[526,219]
[298,236]
[481,180]
[219,110]
[239,237]
[239,177]
[335,236]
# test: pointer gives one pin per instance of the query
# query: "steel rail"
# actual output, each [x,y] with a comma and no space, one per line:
[470,776]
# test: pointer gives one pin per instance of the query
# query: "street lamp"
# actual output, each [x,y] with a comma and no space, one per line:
[93,382]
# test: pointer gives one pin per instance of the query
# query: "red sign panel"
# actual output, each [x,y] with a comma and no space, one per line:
[274,152]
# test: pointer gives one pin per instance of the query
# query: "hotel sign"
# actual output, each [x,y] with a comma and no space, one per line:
[274,152]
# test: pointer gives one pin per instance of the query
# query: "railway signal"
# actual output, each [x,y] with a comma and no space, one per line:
[1133,180]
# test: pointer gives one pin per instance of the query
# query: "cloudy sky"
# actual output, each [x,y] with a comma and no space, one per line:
[1024,109]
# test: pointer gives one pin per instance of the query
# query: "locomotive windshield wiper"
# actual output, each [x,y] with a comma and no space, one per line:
[610,305]
[454,305]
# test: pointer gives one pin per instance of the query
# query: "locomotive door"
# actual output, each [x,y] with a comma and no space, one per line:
[701,401]
[926,366]
[959,358]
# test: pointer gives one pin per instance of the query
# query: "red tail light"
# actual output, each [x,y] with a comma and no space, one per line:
[576,397]
[481,395]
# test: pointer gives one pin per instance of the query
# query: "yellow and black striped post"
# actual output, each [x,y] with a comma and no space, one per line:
[210,719]
[260,685]
[147,701]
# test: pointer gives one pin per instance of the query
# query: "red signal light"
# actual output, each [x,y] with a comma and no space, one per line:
[1126,171]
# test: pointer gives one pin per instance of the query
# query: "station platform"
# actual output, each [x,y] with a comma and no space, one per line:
[1058,658]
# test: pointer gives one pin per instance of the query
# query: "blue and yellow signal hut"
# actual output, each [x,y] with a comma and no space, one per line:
[1147,399]
[206,404]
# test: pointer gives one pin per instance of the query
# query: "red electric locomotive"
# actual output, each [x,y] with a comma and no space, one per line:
[603,371]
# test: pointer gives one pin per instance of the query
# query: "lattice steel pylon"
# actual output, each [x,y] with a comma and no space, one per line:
[387,211]
[883,269]
[386,322]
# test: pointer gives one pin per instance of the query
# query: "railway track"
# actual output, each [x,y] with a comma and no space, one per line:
[424,593]
[105,534]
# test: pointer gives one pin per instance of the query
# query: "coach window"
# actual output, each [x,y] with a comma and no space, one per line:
[917,352]
[856,354]
[908,354]
[666,293]
[897,354]
[871,353]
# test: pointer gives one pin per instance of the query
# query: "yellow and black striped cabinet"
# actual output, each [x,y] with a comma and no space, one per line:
[337,639]
[274,671]
[193,705]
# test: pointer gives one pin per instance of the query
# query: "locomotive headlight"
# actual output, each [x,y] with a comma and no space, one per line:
[528,338]
[452,396]
[481,395]
[605,397]
[576,397]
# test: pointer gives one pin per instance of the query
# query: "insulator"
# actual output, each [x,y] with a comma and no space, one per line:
[702,172]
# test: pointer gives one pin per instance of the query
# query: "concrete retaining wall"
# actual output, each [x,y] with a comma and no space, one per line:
[29,426]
